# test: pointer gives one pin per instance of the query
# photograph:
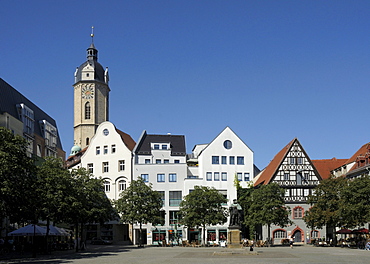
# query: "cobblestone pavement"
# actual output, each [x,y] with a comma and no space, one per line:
[113,254]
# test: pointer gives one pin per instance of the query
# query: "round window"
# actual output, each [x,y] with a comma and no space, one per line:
[105,132]
[228,144]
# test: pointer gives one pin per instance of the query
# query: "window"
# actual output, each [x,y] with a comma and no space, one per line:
[280,234]
[106,186]
[286,177]
[299,161]
[147,161]
[122,185]
[97,150]
[162,195]
[216,176]
[231,160]
[145,177]
[87,110]
[121,165]
[297,212]
[156,146]
[175,198]
[240,160]
[240,175]
[166,161]
[177,161]
[315,234]
[224,176]
[174,217]
[105,150]
[172,177]
[160,177]
[227,144]
[292,160]
[209,176]
[223,160]
[90,167]
[158,161]
[87,141]
[105,166]
[246,176]
[164,146]
[215,160]
[113,148]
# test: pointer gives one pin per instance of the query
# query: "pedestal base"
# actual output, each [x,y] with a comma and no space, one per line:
[233,238]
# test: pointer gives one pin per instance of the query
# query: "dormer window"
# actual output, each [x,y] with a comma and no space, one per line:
[156,146]
[164,146]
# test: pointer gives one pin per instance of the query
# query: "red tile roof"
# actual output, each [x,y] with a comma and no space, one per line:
[267,174]
[325,166]
[361,152]
[127,139]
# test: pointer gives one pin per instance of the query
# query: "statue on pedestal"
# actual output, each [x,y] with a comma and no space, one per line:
[235,216]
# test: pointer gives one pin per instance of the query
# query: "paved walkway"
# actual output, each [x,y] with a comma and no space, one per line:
[113,254]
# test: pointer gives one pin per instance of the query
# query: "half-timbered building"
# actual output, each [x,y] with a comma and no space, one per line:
[293,170]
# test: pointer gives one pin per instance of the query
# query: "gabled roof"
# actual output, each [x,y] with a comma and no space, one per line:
[266,175]
[127,139]
[325,166]
[361,152]
[177,144]
[227,127]
[9,99]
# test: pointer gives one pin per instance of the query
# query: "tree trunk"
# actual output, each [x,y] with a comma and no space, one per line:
[204,236]
[140,234]
[76,237]
[47,234]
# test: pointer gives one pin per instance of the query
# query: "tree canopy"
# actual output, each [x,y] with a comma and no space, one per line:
[140,204]
[203,207]
[17,177]
[339,202]
[265,205]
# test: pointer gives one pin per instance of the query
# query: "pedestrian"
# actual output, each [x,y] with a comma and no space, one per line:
[291,240]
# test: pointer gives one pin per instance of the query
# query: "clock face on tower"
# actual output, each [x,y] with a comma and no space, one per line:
[87,92]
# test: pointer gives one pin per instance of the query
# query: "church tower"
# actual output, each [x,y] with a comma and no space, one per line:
[91,97]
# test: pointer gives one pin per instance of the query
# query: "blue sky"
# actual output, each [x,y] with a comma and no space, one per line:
[271,70]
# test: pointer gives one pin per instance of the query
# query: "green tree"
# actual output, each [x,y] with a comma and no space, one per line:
[203,207]
[88,201]
[17,177]
[355,209]
[265,205]
[327,204]
[140,204]
[53,188]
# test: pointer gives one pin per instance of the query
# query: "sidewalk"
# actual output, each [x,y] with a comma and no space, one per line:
[113,254]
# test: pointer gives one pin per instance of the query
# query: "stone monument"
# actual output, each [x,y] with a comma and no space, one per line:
[233,238]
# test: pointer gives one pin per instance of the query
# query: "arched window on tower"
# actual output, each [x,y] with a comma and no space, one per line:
[87,110]
[87,141]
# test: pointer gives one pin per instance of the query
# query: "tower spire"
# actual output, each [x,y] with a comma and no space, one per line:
[92,34]
[92,52]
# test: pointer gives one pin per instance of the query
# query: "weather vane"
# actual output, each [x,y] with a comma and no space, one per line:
[92,34]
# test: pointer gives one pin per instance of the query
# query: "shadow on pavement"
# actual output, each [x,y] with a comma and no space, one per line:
[59,257]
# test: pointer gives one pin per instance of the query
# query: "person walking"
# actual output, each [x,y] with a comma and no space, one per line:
[291,241]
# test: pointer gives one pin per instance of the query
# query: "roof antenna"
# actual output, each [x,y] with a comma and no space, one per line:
[92,34]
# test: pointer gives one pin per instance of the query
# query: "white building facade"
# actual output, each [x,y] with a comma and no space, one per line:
[109,156]
[217,164]
[162,161]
